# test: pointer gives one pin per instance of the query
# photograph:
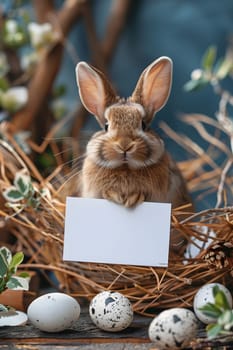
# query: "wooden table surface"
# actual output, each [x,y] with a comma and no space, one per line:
[86,336]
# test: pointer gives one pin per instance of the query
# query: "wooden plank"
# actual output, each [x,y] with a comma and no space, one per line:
[85,335]
[108,346]
[83,332]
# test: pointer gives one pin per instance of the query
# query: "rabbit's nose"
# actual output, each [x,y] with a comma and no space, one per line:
[125,146]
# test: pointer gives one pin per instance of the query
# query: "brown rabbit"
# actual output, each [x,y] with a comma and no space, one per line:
[126,162]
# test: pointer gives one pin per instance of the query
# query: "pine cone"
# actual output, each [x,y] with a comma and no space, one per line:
[219,254]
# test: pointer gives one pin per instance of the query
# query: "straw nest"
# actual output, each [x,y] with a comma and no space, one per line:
[38,231]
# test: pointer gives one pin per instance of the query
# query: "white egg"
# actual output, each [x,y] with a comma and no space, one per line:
[173,328]
[111,311]
[204,296]
[53,312]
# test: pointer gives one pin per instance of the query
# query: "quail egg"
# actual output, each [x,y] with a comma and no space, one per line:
[204,296]
[111,311]
[173,328]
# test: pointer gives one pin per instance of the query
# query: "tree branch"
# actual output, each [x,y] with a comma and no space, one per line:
[115,25]
[41,83]
[101,53]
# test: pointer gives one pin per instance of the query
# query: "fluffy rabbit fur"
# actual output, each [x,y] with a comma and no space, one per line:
[126,162]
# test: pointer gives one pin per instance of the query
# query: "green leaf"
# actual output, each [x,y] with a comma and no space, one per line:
[16,260]
[2,284]
[225,318]
[221,301]
[224,68]
[215,290]
[23,283]
[22,183]
[11,194]
[31,191]
[3,265]
[194,85]
[6,253]
[3,308]
[24,274]
[213,330]
[211,310]
[13,283]
[217,65]
[209,58]
[33,202]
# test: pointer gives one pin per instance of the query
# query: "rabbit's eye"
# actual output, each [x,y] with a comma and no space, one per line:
[106,127]
[143,125]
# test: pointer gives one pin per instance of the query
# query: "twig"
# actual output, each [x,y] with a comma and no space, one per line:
[205,212]
[222,182]
[221,92]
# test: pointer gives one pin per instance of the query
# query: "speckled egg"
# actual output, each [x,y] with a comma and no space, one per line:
[53,312]
[204,296]
[111,311]
[173,328]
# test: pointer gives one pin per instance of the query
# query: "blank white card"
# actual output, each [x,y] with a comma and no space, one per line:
[99,231]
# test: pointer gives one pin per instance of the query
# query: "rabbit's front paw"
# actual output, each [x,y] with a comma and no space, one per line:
[114,196]
[134,199]
[129,200]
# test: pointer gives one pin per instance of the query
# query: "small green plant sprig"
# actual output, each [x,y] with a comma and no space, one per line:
[22,194]
[222,312]
[211,71]
[8,267]
[215,72]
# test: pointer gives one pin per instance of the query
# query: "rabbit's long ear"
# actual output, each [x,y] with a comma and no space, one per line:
[153,87]
[95,91]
